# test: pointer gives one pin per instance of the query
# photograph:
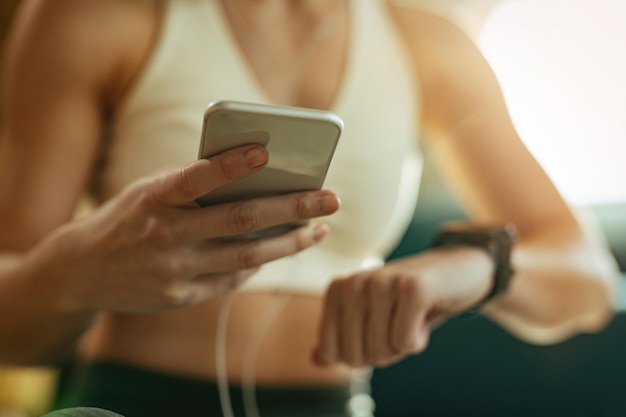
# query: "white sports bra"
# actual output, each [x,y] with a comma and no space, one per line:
[377,163]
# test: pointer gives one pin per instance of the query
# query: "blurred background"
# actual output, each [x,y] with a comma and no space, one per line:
[562,67]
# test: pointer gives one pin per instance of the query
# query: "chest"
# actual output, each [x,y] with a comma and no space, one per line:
[361,74]
[294,57]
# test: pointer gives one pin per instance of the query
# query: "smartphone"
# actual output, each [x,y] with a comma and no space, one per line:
[300,143]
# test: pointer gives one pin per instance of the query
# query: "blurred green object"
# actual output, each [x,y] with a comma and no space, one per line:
[82,412]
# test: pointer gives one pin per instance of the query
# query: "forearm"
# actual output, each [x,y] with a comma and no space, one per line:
[34,329]
[562,286]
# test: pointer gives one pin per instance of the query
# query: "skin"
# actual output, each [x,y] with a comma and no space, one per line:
[77,272]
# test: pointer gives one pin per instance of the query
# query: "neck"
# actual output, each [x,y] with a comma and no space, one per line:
[280,39]
[260,11]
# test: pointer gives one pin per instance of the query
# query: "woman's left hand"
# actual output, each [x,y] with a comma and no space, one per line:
[376,317]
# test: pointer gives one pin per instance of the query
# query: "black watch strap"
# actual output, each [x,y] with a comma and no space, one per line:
[497,241]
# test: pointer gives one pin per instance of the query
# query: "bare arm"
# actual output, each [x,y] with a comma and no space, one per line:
[564,278]
[55,85]
[148,248]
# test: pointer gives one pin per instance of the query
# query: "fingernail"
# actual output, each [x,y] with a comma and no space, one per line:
[255,157]
[328,202]
[319,232]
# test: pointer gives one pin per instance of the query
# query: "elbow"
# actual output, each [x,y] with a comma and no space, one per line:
[547,321]
[560,330]
[595,320]
[598,308]
[593,311]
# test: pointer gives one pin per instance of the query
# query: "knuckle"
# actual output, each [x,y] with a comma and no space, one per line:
[171,269]
[142,190]
[184,183]
[410,288]
[416,346]
[156,233]
[178,267]
[356,362]
[343,289]
[249,257]
[244,217]
[386,361]
[172,278]
[176,295]
[301,207]
[141,198]
[334,289]
[336,293]
[409,343]
[227,169]
[354,286]
[302,241]
[377,288]
[379,359]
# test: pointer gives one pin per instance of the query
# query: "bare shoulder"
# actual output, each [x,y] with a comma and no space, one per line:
[454,75]
[427,32]
[67,62]
[89,41]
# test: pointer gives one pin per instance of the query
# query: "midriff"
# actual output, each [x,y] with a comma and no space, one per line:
[183,341]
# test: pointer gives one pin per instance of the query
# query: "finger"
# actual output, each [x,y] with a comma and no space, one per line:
[252,215]
[184,186]
[353,316]
[409,331]
[327,351]
[231,256]
[382,301]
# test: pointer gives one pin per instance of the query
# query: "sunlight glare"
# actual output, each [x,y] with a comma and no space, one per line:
[562,67]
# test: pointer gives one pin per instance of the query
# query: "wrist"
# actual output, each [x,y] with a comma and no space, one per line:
[495,242]
[465,276]
[51,272]
[38,329]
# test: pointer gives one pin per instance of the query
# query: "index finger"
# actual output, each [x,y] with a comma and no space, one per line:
[185,185]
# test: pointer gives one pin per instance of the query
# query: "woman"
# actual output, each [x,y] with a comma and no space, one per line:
[122,95]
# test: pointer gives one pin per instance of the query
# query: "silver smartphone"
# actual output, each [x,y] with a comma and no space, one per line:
[300,143]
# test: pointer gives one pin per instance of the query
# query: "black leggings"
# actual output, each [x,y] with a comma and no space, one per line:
[136,392]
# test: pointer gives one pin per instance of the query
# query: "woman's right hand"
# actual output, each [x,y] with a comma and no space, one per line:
[152,247]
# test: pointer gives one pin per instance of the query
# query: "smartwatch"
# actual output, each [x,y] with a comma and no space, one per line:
[497,241]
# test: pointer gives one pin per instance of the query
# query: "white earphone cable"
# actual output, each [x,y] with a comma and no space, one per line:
[220,357]
[248,383]
[250,354]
